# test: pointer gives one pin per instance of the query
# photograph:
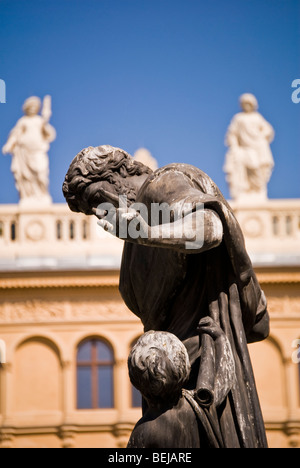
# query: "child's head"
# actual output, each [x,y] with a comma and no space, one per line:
[159,367]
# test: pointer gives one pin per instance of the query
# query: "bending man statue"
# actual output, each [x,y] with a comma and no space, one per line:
[173,282]
[28,142]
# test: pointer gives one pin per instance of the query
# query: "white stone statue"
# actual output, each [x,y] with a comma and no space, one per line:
[29,143]
[249,161]
[144,156]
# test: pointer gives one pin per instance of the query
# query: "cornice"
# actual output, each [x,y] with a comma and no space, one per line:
[59,282]
[101,281]
[278,277]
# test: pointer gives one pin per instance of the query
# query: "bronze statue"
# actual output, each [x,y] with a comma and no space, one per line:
[202,289]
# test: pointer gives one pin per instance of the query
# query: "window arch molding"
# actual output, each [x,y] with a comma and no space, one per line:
[37,367]
[278,346]
[50,340]
[108,339]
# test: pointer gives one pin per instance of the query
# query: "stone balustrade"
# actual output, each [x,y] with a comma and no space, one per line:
[53,235]
[271,230]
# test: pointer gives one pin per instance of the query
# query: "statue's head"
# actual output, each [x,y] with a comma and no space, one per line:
[32,105]
[248,102]
[159,367]
[102,174]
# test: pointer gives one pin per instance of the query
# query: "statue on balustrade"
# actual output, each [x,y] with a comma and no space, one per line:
[28,143]
[144,156]
[186,274]
[249,161]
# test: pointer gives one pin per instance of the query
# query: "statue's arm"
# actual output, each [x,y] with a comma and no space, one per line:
[260,329]
[231,138]
[49,132]
[196,232]
[267,129]
[13,137]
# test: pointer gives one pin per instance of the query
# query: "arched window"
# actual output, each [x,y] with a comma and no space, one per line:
[136,397]
[1,229]
[95,363]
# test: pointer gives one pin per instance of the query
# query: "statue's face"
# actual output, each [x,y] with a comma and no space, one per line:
[32,109]
[102,175]
[247,106]
[102,192]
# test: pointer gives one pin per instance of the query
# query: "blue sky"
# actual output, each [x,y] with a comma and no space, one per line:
[163,74]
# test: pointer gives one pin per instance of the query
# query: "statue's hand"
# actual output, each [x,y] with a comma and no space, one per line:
[106,225]
[127,215]
[125,223]
[6,149]
[131,225]
[209,326]
[106,219]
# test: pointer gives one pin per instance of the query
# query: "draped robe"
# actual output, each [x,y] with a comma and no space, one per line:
[171,291]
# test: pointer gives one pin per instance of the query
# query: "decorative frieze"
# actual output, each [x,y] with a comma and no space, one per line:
[52,311]
[285,306]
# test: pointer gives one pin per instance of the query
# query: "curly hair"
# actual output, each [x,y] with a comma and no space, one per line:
[159,367]
[93,165]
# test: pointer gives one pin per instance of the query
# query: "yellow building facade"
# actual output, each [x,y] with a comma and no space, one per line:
[65,332]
